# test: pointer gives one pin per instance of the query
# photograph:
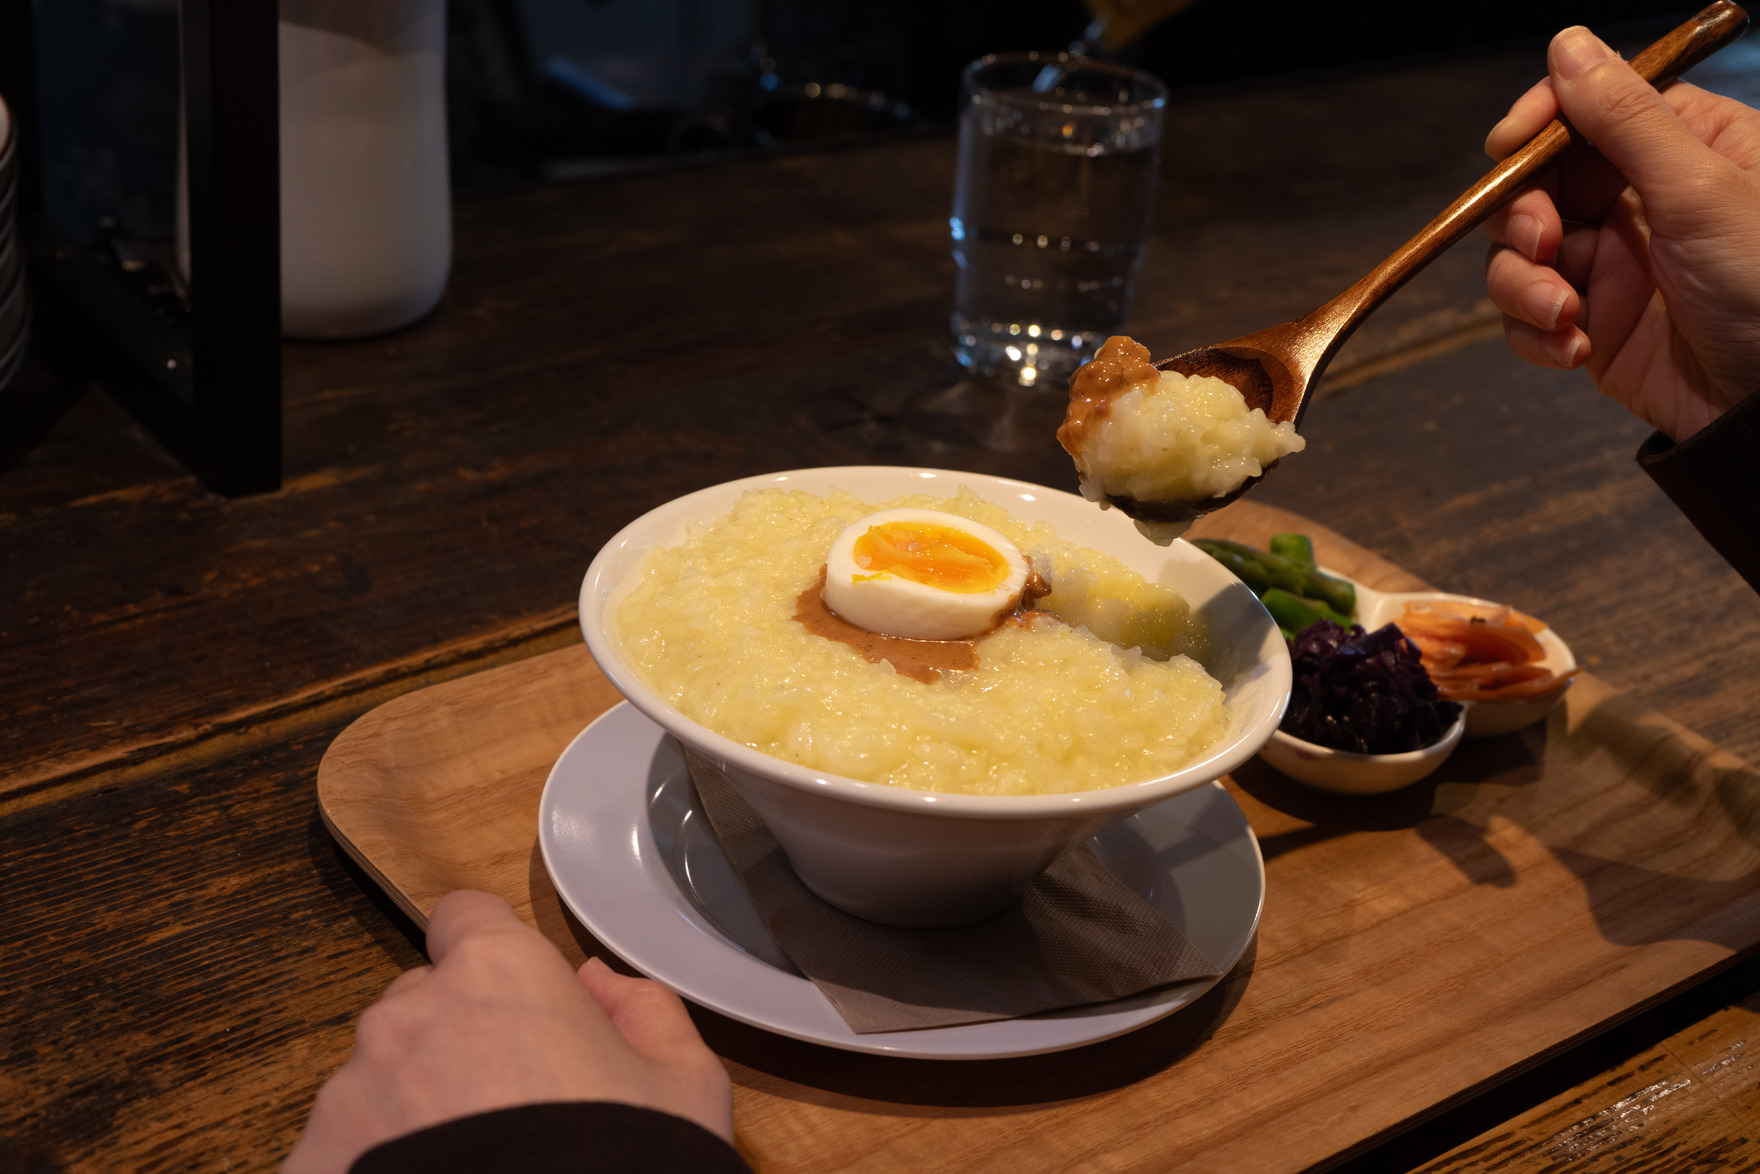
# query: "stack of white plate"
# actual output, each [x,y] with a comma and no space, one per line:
[15,302]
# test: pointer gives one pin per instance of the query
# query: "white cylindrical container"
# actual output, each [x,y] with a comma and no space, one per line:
[366,205]
[366,200]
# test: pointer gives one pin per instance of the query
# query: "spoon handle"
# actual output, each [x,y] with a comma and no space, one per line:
[1661,63]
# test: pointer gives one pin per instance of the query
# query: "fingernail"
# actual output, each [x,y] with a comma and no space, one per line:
[594,963]
[1575,50]
[1524,228]
[1557,308]
[1492,137]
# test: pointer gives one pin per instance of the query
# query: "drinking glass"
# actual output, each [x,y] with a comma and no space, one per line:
[1058,156]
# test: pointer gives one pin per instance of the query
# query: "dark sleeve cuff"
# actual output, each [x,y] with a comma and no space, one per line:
[572,1136]
[1714,478]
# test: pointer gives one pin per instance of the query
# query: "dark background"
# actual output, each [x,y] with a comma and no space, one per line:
[553,89]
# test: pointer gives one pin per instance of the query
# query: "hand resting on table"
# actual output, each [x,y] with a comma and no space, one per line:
[501,1019]
[1638,257]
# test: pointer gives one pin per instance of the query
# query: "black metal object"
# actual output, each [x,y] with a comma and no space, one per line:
[18,85]
[206,382]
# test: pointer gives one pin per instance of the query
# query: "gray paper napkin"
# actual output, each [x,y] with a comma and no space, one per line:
[1078,937]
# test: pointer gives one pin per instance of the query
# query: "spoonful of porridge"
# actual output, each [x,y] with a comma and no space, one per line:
[1170,441]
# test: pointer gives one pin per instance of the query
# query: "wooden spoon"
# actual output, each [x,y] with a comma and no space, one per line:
[1277,369]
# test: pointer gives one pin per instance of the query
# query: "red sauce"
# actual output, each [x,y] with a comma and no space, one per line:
[921,660]
[1118,363]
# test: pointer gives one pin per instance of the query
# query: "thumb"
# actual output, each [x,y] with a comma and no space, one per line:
[463,913]
[650,1017]
[1628,121]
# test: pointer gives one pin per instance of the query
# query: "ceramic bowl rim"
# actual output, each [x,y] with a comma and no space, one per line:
[1255,731]
[1440,748]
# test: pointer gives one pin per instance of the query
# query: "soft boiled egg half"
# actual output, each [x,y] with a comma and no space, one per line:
[923,575]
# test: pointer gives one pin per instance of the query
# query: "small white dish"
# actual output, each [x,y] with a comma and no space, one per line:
[634,859]
[1346,773]
[1485,719]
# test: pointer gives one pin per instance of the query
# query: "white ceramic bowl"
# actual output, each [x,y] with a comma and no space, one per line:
[1358,774]
[916,858]
[1485,719]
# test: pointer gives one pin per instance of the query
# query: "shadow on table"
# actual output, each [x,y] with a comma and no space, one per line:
[898,413]
[1661,828]
[392,930]
[987,413]
[31,407]
[1514,760]
[821,1075]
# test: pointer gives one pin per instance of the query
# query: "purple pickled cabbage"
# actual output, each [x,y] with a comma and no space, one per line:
[1366,692]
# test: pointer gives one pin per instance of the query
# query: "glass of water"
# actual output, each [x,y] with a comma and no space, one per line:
[1057,163]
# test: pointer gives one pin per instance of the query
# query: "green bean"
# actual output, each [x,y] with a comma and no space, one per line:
[1338,594]
[1261,570]
[1245,567]
[1256,568]
[1292,612]
[1297,548]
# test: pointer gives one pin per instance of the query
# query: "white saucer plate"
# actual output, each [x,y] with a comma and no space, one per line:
[634,859]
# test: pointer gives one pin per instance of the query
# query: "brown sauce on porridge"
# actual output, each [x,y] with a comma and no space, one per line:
[1118,363]
[921,660]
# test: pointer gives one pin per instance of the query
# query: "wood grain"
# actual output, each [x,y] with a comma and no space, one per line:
[1687,1103]
[414,789]
[1540,888]
[436,791]
[183,962]
[183,946]
[604,347]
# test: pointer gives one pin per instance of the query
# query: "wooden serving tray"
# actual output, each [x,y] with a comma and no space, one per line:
[1416,947]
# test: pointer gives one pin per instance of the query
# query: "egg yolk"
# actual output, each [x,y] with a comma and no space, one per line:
[935,556]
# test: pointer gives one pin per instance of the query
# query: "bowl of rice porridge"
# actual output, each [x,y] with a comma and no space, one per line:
[923,780]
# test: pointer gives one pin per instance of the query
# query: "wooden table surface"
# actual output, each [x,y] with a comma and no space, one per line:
[184,949]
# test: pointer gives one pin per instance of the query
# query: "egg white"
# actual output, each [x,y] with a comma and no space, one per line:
[895,606]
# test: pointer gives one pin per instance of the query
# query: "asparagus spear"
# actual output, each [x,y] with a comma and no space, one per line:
[1261,570]
[1297,548]
[1293,612]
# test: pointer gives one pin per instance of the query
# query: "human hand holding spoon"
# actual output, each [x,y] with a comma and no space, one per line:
[1276,369]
